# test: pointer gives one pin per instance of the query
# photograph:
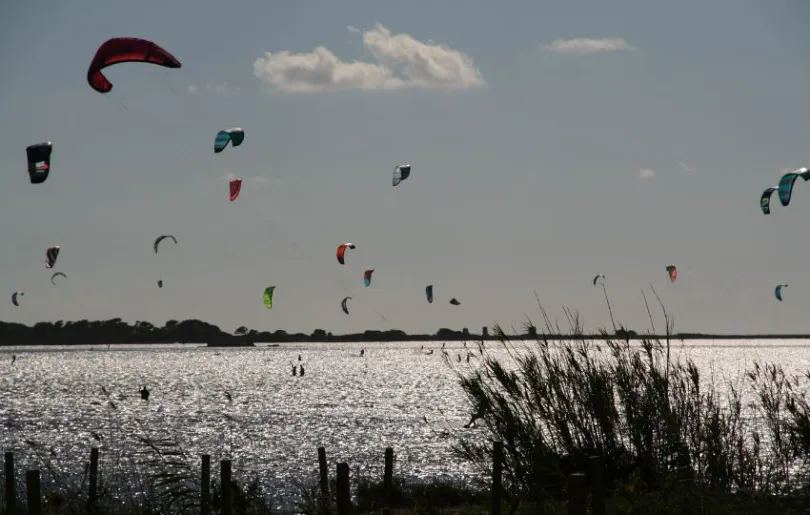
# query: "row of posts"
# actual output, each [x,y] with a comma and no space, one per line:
[578,486]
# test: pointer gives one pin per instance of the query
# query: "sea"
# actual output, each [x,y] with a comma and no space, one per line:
[245,404]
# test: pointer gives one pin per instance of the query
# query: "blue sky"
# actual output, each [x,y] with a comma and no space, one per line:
[538,161]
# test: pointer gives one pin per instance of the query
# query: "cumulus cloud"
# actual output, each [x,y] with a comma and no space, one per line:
[583,46]
[646,173]
[399,62]
[212,88]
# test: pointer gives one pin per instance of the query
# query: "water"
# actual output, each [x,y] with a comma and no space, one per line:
[395,395]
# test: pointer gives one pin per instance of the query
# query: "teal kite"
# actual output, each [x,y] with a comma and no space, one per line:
[777,292]
[787,181]
[235,135]
[765,199]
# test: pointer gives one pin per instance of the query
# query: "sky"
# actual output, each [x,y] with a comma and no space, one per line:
[549,142]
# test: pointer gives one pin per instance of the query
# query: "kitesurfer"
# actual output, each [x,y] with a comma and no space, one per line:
[144,393]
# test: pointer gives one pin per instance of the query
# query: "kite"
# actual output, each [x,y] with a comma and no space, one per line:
[50,256]
[401,172]
[600,276]
[367,277]
[268,297]
[341,251]
[160,283]
[343,305]
[14,297]
[672,270]
[778,291]
[235,187]
[125,50]
[429,293]
[235,135]
[454,302]
[161,238]
[786,184]
[54,276]
[39,161]
[765,199]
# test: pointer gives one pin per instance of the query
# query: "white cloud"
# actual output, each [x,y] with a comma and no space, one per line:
[646,173]
[583,46]
[685,167]
[400,62]
[262,180]
[212,88]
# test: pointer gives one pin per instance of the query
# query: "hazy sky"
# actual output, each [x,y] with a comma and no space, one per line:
[550,141]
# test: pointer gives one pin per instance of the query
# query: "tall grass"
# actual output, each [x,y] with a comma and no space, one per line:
[656,421]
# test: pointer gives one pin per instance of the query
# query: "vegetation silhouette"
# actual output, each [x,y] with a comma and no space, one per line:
[116,331]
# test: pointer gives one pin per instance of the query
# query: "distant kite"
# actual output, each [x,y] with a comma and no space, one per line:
[54,277]
[39,161]
[600,276]
[14,297]
[672,270]
[778,291]
[126,50]
[429,293]
[343,305]
[401,172]
[454,302]
[341,251]
[367,277]
[765,199]
[235,186]
[161,238]
[235,136]
[787,181]
[50,256]
[268,297]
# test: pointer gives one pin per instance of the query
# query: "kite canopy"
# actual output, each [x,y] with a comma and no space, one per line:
[765,199]
[268,297]
[39,161]
[343,305]
[672,270]
[778,291]
[55,275]
[454,302]
[235,135]
[235,186]
[367,277]
[125,50]
[599,276]
[787,181]
[14,297]
[341,251]
[429,293]
[401,172]
[160,283]
[50,256]
[161,238]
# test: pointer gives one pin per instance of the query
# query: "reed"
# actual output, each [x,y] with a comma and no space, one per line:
[657,423]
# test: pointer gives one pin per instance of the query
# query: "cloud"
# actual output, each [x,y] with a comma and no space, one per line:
[230,176]
[400,62]
[646,173]
[212,88]
[685,167]
[583,46]
[262,180]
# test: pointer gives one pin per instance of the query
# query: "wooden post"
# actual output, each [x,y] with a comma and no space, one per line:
[577,493]
[497,472]
[205,485]
[388,475]
[344,500]
[11,485]
[93,487]
[225,483]
[34,494]
[595,473]
[324,479]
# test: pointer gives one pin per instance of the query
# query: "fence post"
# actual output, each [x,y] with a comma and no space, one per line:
[344,500]
[388,475]
[324,479]
[34,494]
[93,487]
[595,473]
[497,472]
[225,483]
[11,485]
[205,485]
[577,493]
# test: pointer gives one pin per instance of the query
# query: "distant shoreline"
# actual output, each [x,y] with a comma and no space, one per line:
[118,332]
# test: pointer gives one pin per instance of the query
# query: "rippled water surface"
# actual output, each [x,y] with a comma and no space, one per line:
[355,406]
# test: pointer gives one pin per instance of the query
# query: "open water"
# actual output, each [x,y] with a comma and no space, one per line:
[355,406]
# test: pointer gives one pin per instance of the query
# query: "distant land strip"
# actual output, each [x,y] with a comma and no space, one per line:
[115,331]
